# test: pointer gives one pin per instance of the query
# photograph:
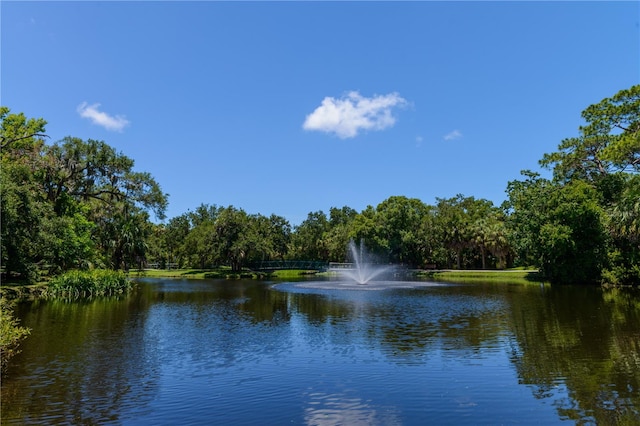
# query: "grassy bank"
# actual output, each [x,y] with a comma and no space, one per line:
[71,284]
[173,273]
[217,273]
[507,276]
[101,283]
[88,284]
[512,276]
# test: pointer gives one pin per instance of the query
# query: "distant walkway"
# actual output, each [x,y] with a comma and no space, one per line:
[279,265]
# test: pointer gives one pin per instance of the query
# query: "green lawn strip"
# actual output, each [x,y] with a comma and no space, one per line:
[217,273]
[18,290]
[182,273]
[292,273]
[513,276]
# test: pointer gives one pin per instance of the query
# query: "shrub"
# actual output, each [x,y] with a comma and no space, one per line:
[10,333]
[96,282]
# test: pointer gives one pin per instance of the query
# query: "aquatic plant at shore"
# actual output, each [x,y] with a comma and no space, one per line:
[98,282]
[10,333]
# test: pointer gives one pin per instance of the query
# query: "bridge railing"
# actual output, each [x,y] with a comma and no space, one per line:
[274,265]
[337,265]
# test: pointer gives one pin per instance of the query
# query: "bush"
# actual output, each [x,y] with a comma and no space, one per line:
[89,283]
[10,333]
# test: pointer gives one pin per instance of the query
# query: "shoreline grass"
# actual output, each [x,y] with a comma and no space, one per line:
[514,276]
[98,282]
[218,273]
[508,276]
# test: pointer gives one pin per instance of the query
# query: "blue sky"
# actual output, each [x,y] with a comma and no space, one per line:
[294,107]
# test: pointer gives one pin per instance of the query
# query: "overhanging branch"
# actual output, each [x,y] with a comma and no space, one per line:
[4,144]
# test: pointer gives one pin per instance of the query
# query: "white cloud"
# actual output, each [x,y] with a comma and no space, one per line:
[452,135]
[109,122]
[349,115]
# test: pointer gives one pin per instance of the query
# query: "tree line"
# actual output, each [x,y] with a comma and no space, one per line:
[77,204]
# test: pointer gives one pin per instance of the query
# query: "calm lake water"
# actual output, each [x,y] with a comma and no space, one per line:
[213,352]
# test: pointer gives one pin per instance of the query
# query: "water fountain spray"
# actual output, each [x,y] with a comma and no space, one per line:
[363,270]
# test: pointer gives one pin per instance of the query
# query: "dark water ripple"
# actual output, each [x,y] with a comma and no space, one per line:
[209,352]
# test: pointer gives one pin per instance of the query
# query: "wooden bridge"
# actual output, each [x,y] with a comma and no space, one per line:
[278,265]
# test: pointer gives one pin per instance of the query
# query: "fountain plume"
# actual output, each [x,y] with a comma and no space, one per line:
[363,269]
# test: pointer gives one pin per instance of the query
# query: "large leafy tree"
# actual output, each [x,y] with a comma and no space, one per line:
[199,245]
[338,233]
[366,228]
[70,241]
[461,224]
[24,218]
[118,198]
[123,238]
[234,238]
[624,227]
[23,213]
[489,235]
[177,230]
[267,237]
[558,228]
[609,142]
[72,204]
[452,227]
[606,155]
[307,240]
[203,213]
[19,135]
[226,236]
[401,220]
[93,172]
[189,238]
[277,231]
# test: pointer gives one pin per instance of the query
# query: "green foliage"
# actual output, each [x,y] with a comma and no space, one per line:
[625,212]
[608,143]
[89,283]
[398,230]
[22,209]
[10,333]
[72,204]
[624,267]
[308,242]
[606,157]
[23,217]
[213,236]
[79,204]
[472,231]
[18,135]
[558,228]
[513,276]
[234,237]
[176,233]
[69,243]
[400,225]
[624,230]
[93,170]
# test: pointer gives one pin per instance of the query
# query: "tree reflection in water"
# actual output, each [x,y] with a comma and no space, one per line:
[226,350]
